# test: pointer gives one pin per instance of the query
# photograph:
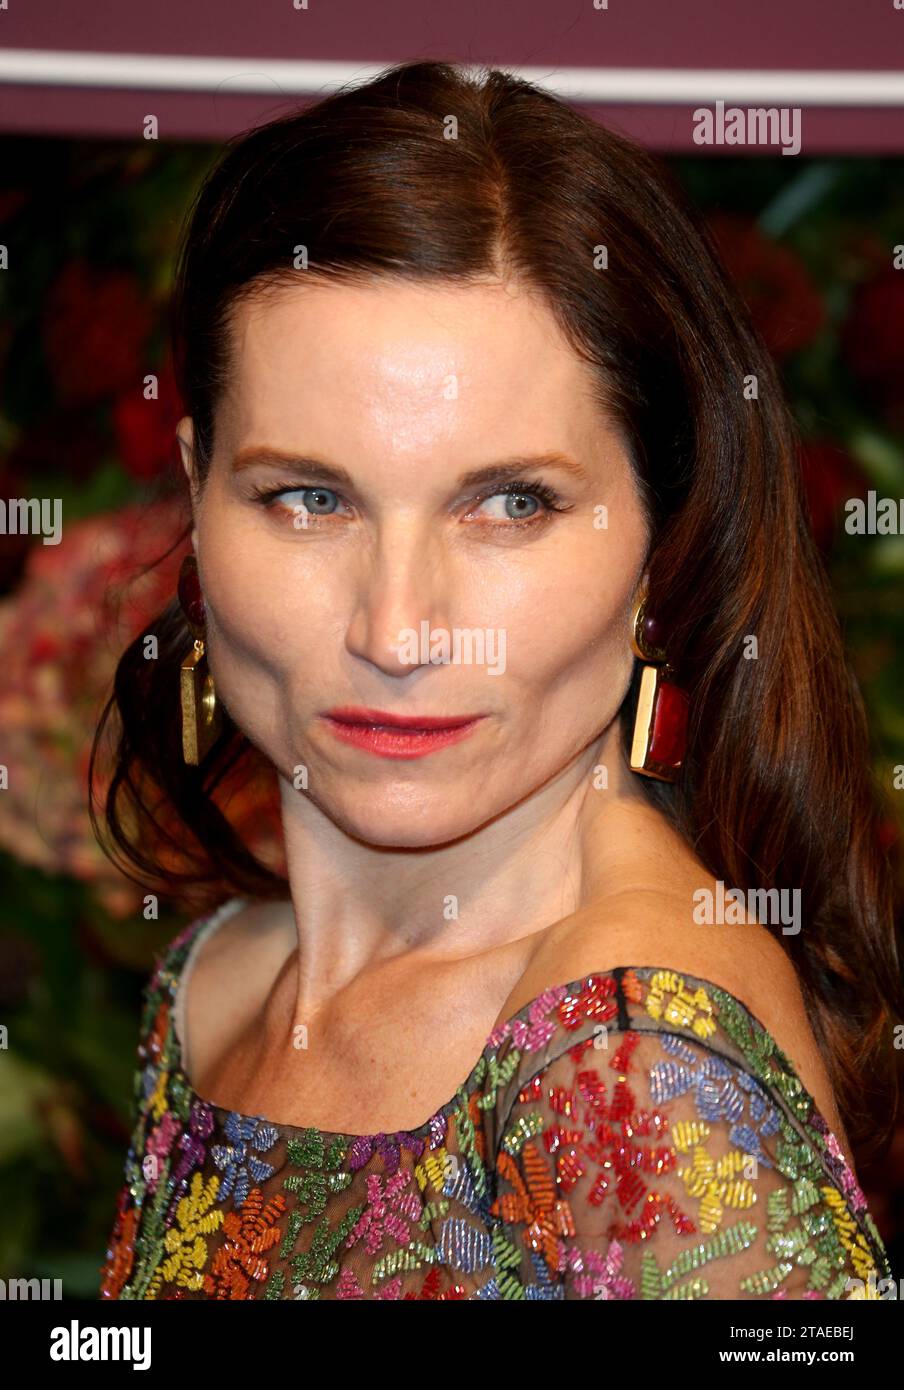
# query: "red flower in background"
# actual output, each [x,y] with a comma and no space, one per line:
[96,323]
[79,604]
[146,429]
[872,342]
[830,478]
[785,304]
[62,442]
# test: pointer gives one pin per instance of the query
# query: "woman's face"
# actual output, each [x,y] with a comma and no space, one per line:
[375,574]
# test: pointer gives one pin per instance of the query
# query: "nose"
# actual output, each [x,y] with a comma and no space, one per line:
[401,583]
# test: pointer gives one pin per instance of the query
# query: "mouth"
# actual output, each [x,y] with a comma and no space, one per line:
[398,736]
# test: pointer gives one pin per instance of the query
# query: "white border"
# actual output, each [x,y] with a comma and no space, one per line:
[153,71]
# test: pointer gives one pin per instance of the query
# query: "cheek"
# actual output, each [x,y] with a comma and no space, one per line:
[571,623]
[245,615]
[255,618]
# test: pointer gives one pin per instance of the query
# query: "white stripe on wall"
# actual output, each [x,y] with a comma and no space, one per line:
[153,71]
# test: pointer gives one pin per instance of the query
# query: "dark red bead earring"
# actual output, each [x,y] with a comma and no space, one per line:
[201,714]
[659,743]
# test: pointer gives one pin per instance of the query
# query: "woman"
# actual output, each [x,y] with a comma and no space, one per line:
[499,558]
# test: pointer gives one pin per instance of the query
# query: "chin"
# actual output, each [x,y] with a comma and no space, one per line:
[420,823]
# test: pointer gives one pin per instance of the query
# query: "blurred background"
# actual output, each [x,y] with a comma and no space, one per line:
[108,121]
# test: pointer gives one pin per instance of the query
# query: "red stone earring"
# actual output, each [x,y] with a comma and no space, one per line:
[202,719]
[659,743]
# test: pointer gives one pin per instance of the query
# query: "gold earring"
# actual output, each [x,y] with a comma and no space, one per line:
[659,741]
[202,719]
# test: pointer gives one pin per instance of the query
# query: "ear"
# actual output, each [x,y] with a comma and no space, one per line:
[185,436]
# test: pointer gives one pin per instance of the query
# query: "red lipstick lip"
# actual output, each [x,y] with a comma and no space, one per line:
[356,715]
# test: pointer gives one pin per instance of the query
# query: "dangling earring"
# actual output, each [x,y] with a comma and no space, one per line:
[202,719]
[659,743]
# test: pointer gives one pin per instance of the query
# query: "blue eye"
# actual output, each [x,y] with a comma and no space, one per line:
[314,499]
[311,501]
[540,496]
[514,504]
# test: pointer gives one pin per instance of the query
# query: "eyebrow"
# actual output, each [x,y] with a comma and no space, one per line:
[506,469]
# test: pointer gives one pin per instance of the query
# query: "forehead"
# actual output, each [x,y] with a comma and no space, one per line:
[407,362]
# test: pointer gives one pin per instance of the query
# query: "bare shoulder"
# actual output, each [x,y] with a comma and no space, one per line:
[230,975]
[652,929]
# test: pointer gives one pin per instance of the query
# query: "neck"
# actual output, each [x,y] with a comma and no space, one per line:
[568,845]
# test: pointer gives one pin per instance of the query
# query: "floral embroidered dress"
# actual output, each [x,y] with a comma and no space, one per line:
[635,1134]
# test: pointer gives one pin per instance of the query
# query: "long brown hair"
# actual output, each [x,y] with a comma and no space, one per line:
[431,173]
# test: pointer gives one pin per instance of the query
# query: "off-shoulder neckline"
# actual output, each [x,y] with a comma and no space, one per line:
[554,994]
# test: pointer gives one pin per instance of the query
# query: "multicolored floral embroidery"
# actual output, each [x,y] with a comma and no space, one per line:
[633,1134]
